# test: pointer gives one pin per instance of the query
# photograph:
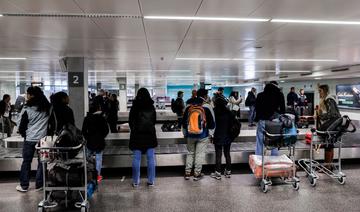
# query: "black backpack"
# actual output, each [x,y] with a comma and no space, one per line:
[235,129]
[173,106]
[69,136]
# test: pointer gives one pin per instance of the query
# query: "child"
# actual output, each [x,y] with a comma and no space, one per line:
[95,129]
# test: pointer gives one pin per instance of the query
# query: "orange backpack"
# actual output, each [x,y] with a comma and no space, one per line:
[196,120]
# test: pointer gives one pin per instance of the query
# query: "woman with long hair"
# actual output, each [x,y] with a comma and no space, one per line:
[327,113]
[33,125]
[142,119]
[64,114]
[234,101]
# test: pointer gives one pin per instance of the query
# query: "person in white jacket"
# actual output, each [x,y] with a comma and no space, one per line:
[234,103]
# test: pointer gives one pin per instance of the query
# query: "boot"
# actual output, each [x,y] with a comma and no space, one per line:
[329,155]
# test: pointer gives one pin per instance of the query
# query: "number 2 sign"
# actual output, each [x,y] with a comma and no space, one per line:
[76,79]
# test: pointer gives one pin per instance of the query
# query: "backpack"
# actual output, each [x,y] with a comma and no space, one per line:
[69,136]
[235,129]
[173,106]
[196,120]
[247,101]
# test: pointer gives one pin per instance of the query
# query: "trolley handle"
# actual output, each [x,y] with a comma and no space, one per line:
[277,135]
[59,148]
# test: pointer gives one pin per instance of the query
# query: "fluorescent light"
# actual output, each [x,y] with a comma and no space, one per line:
[317,78]
[16,71]
[1,15]
[206,18]
[258,59]
[12,58]
[282,81]
[300,21]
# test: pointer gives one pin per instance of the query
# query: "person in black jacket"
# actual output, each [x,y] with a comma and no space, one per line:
[5,113]
[222,137]
[95,129]
[63,113]
[142,119]
[250,102]
[113,113]
[292,98]
[269,104]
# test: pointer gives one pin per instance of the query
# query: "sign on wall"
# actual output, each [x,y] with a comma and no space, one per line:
[348,96]
[76,79]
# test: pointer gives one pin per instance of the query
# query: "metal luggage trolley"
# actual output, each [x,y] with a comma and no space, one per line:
[47,155]
[266,182]
[312,167]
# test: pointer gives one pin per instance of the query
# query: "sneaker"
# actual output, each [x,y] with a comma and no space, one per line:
[227,173]
[187,176]
[198,177]
[21,189]
[150,184]
[99,178]
[39,188]
[216,175]
[134,185]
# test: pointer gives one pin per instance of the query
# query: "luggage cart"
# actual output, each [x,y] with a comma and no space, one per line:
[313,167]
[46,155]
[265,181]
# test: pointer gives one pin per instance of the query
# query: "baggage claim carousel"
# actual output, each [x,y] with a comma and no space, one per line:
[172,149]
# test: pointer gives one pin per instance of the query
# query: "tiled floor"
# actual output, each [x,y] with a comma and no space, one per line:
[240,193]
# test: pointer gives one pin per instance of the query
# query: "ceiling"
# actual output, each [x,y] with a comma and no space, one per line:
[125,44]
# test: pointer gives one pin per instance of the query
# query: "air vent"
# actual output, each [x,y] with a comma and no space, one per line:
[340,69]
[73,15]
[305,74]
[256,80]
[282,77]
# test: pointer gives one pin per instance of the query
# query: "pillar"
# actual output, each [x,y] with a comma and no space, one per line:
[122,94]
[78,87]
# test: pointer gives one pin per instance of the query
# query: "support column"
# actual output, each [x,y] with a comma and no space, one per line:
[122,94]
[78,87]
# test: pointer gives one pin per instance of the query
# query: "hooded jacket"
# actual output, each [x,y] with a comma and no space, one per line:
[33,124]
[142,119]
[269,102]
[95,129]
[329,114]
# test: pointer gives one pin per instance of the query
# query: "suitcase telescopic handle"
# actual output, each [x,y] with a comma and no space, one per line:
[59,148]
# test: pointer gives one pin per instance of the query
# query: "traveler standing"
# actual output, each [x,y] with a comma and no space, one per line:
[269,104]
[178,107]
[5,113]
[250,102]
[63,113]
[95,129]
[198,126]
[292,98]
[193,97]
[327,113]
[33,125]
[143,139]
[222,137]
[302,101]
[113,113]
[234,102]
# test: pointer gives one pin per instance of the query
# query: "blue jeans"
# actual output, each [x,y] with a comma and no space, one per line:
[98,158]
[28,154]
[260,139]
[150,155]
[251,114]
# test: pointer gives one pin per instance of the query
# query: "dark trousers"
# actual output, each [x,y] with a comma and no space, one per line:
[180,122]
[218,152]
[28,154]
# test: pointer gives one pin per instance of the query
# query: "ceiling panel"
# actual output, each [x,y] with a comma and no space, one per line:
[228,8]
[123,7]
[47,6]
[121,28]
[308,9]
[52,27]
[170,7]
[8,7]
[233,31]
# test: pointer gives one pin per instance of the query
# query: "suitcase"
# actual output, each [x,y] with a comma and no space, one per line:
[275,166]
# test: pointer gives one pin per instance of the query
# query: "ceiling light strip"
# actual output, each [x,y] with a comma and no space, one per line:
[258,59]
[72,15]
[194,18]
[12,58]
[300,21]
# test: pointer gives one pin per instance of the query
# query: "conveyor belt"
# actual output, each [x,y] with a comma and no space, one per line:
[174,154]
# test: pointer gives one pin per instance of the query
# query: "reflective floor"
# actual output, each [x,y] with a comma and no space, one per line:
[240,193]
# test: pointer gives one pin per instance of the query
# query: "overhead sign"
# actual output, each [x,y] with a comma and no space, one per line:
[76,79]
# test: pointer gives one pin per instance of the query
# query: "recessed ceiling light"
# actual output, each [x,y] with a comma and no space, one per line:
[1,15]
[12,58]
[300,21]
[207,18]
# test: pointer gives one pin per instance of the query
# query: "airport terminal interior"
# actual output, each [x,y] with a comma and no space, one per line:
[94,93]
